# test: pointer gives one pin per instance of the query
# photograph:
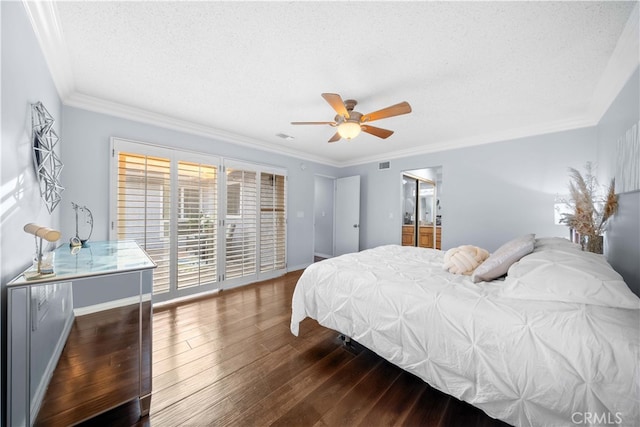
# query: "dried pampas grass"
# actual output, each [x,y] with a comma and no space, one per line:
[591,210]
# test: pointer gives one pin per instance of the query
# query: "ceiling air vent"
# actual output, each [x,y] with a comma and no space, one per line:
[383,165]
[285,136]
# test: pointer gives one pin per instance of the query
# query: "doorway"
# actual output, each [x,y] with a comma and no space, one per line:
[323,217]
[336,220]
[421,208]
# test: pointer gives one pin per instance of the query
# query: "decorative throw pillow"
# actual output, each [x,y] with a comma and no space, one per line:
[499,262]
[464,259]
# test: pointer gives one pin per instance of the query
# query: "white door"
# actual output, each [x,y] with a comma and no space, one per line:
[347,219]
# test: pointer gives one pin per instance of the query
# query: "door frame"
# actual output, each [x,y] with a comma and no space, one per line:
[336,219]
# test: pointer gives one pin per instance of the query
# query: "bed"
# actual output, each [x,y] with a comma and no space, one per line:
[555,342]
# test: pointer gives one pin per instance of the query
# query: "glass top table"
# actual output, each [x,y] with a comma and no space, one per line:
[98,258]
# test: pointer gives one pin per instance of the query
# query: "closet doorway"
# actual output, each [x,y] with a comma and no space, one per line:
[421,210]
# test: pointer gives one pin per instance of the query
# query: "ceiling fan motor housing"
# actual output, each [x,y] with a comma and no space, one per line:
[354,116]
[349,104]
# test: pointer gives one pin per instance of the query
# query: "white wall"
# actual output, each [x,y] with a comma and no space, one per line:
[25,80]
[86,155]
[622,238]
[494,192]
[623,113]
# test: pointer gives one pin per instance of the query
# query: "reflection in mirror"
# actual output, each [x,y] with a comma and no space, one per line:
[98,368]
[421,207]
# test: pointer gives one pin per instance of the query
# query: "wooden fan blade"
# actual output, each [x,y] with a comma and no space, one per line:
[336,103]
[315,123]
[335,137]
[394,110]
[379,132]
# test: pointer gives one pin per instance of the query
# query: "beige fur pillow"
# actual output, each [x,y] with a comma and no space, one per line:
[464,259]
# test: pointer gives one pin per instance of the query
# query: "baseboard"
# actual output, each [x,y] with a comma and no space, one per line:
[323,255]
[81,311]
[298,267]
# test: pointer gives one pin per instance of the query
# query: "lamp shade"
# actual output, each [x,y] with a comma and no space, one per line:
[349,129]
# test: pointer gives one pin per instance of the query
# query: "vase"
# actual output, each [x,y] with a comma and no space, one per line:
[593,244]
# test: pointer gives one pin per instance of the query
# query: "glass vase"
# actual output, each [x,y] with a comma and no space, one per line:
[594,244]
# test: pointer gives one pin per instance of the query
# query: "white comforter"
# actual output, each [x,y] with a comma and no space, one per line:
[525,362]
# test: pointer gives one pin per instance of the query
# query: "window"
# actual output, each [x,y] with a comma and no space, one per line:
[197,224]
[241,223]
[143,209]
[205,221]
[272,222]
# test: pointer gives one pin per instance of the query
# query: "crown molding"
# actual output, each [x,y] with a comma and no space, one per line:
[622,64]
[101,106]
[453,144]
[46,26]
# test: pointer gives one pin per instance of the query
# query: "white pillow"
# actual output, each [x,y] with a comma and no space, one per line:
[542,243]
[568,276]
[499,262]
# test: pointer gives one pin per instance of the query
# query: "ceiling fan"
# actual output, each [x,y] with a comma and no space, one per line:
[349,123]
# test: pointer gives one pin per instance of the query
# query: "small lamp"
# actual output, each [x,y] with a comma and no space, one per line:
[40,232]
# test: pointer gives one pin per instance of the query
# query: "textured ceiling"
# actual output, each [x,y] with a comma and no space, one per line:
[472,71]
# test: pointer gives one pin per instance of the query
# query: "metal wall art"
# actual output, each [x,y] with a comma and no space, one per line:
[85,227]
[47,164]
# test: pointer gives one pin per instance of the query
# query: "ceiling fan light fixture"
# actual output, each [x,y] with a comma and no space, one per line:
[349,129]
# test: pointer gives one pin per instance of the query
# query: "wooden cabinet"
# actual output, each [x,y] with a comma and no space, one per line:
[426,237]
[408,235]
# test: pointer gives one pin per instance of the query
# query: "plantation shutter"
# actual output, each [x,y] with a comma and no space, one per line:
[143,209]
[207,222]
[272,222]
[197,224]
[241,223]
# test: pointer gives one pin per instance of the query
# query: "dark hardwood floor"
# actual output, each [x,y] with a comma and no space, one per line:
[230,359]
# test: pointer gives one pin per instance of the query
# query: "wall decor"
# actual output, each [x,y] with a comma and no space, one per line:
[48,165]
[627,164]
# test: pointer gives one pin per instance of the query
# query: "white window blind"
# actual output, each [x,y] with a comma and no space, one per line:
[143,209]
[272,222]
[241,223]
[204,224]
[197,224]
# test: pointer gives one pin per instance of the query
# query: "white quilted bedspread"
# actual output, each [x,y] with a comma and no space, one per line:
[526,362]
